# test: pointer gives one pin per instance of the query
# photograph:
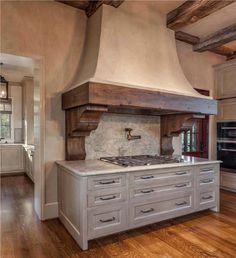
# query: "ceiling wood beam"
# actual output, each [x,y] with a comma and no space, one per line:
[193,40]
[193,10]
[216,39]
[187,38]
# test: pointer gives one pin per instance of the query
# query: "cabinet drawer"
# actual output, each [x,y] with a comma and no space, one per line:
[105,221]
[107,196]
[161,187]
[100,182]
[228,180]
[207,170]
[207,181]
[175,205]
[207,197]
[147,178]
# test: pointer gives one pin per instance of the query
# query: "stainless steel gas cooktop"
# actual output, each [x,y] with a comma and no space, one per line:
[142,160]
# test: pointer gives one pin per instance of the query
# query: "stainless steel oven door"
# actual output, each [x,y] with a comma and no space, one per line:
[226,130]
[226,152]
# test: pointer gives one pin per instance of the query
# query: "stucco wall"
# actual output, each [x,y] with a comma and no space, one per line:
[198,69]
[55,33]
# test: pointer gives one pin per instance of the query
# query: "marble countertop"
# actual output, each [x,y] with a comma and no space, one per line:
[97,167]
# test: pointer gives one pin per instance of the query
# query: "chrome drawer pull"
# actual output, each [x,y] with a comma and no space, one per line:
[206,181]
[181,173]
[181,185]
[180,203]
[147,211]
[207,197]
[107,183]
[207,169]
[107,220]
[147,177]
[147,191]
[108,198]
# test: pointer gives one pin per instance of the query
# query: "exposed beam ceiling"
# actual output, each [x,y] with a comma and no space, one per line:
[217,39]
[193,10]
[193,40]
[91,6]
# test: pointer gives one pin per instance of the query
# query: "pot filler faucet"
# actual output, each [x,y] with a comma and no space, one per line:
[131,137]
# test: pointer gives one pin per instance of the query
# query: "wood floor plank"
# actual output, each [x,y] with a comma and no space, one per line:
[203,234]
[185,246]
[210,245]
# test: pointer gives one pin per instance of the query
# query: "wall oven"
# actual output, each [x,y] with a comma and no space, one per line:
[226,145]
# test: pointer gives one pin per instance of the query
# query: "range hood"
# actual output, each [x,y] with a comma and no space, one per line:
[132,47]
[129,65]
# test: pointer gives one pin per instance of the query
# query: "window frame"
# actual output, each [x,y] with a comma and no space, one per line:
[11,139]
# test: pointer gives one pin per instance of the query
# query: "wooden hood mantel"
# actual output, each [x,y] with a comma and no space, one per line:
[85,104]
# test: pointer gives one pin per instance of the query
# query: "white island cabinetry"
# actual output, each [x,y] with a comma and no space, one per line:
[93,204]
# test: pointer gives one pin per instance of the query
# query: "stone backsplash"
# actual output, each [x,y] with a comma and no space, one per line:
[109,139]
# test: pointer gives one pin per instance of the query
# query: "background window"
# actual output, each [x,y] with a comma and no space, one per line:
[5,126]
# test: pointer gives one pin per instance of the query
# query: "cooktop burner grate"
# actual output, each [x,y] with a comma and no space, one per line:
[141,160]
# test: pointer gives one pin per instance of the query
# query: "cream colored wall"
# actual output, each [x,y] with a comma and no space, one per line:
[134,49]
[55,33]
[198,69]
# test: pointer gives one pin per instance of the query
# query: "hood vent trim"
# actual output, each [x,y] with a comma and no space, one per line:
[85,105]
[121,97]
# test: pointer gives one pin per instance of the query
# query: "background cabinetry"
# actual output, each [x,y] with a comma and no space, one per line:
[227,109]
[29,162]
[11,158]
[225,80]
[228,181]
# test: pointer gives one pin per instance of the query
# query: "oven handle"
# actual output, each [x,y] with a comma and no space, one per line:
[226,141]
[228,128]
[232,150]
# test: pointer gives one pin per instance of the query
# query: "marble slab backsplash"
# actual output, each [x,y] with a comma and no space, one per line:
[109,139]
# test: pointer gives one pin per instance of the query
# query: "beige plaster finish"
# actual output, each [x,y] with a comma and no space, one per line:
[132,47]
[198,69]
[55,33]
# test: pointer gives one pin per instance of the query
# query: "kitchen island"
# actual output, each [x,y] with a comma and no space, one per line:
[98,198]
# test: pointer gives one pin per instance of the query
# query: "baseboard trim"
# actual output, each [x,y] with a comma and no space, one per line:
[228,189]
[50,210]
[3,174]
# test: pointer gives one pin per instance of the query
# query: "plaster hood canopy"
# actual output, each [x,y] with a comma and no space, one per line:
[131,46]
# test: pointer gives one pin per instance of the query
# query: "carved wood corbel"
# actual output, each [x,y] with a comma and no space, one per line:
[173,125]
[80,121]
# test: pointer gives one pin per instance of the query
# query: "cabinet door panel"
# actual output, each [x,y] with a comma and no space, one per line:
[12,159]
[226,80]
[227,109]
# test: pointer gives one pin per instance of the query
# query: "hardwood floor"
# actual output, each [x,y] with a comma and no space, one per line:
[204,234]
